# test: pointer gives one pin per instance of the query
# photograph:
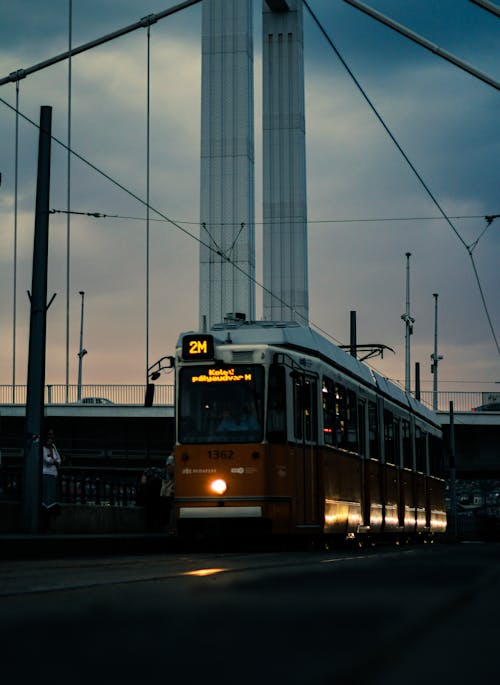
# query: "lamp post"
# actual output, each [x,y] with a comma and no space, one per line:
[409,321]
[435,357]
[82,351]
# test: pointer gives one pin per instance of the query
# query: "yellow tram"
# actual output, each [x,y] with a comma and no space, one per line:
[281,432]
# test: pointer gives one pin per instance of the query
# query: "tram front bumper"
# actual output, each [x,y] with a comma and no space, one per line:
[219,512]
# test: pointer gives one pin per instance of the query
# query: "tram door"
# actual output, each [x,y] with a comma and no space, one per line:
[305,410]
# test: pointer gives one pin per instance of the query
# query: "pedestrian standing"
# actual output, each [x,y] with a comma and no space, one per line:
[168,493]
[50,484]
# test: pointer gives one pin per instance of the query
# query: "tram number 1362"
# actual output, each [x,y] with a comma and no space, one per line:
[220,454]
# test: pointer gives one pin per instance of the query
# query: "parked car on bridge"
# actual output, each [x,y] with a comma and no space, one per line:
[491,406]
[94,400]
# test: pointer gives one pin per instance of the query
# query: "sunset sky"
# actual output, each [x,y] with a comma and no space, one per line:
[366,208]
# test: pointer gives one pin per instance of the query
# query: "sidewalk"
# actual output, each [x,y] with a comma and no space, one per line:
[32,546]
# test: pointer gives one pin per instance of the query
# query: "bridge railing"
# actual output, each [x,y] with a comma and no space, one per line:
[116,394]
[462,401]
[164,395]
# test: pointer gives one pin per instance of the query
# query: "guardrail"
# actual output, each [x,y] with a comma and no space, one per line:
[164,395]
[115,394]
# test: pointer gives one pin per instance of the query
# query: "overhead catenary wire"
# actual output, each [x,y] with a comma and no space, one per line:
[136,197]
[192,222]
[409,162]
[175,224]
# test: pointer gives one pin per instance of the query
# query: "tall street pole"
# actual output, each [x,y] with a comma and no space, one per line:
[409,321]
[435,358]
[37,339]
[81,352]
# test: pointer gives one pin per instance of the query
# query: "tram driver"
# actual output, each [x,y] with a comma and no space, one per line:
[246,421]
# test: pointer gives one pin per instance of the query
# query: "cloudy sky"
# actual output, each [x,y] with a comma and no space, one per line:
[366,208]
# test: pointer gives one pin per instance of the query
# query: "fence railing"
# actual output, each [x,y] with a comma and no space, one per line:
[90,395]
[462,401]
[164,395]
[118,488]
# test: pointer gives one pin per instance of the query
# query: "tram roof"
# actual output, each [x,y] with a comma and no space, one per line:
[295,336]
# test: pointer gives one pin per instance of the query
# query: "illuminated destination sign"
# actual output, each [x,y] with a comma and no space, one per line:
[222,376]
[195,347]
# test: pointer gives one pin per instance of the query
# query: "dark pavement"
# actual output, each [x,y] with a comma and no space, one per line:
[392,616]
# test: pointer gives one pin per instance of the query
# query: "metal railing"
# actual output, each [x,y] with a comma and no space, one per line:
[119,488]
[164,395]
[116,394]
[462,401]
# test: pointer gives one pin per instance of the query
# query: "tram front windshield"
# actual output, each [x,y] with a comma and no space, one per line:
[220,404]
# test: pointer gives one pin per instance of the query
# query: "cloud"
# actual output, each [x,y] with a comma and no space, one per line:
[445,120]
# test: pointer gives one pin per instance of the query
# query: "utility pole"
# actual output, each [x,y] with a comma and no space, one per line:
[409,321]
[82,352]
[37,339]
[435,358]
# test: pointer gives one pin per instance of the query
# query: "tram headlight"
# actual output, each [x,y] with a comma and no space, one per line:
[219,486]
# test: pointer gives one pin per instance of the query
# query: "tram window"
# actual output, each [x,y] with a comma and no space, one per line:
[340,416]
[351,417]
[407,457]
[397,442]
[420,449]
[436,456]
[373,430]
[305,412]
[328,402]
[202,405]
[362,427]
[389,437]
[297,406]
[276,405]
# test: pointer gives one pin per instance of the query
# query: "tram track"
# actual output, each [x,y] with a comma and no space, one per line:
[24,578]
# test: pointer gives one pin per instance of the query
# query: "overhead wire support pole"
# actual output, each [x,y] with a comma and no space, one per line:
[409,321]
[145,21]
[435,357]
[423,42]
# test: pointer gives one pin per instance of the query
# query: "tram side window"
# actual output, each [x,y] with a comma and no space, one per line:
[397,442]
[276,408]
[305,408]
[328,402]
[420,449]
[351,417]
[373,430]
[362,426]
[407,456]
[436,456]
[389,437]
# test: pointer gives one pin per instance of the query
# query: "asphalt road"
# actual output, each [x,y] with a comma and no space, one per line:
[425,613]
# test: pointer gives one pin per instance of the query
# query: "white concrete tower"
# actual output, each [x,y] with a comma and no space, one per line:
[285,269]
[227,162]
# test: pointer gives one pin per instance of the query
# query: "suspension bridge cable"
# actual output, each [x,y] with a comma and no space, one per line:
[423,42]
[186,232]
[141,201]
[488,6]
[68,196]
[148,126]
[145,21]
[14,284]
[405,156]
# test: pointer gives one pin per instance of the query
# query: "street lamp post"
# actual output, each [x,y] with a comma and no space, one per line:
[409,321]
[82,352]
[435,357]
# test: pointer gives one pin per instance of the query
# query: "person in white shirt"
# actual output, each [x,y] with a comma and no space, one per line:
[51,462]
